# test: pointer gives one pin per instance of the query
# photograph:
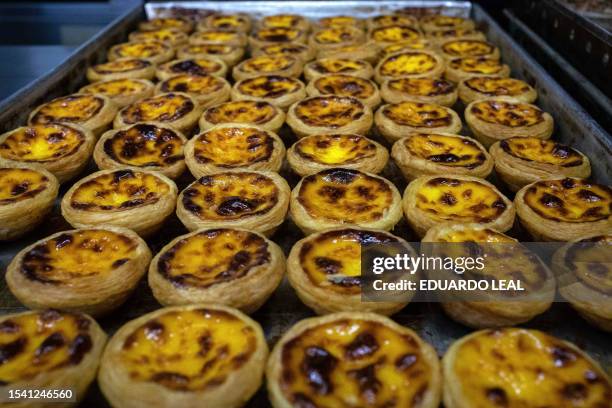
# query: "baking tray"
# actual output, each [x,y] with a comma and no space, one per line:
[573,126]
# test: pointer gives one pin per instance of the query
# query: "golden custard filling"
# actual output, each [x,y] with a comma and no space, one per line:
[194,84]
[216,36]
[332,260]
[191,350]
[195,66]
[354,363]
[417,114]
[161,108]
[338,21]
[459,200]
[209,49]
[140,49]
[337,66]
[453,33]
[18,184]
[394,34]
[281,20]
[541,151]
[266,64]
[441,21]
[408,63]
[329,111]
[336,35]
[167,22]
[170,35]
[39,343]
[467,48]
[121,65]
[119,190]
[570,200]
[212,257]
[231,196]
[71,256]
[589,260]
[515,368]
[345,85]
[416,44]
[77,108]
[233,147]
[445,150]
[344,195]
[493,86]
[116,87]
[41,143]
[508,114]
[393,20]
[274,50]
[269,86]
[335,149]
[255,112]
[277,34]
[477,65]
[227,22]
[473,235]
[144,145]
[421,86]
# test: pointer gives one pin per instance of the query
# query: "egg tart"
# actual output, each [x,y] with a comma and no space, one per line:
[176,109]
[453,34]
[177,23]
[396,120]
[315,153]
[432,200]
[340,21]
[63,150]
[409,64]
[260,113]
[483,87]
[401,46]
[280,91]
[155,51]
[229,54]
[353,359]
[49,350]
[171,36]
[276,35]
[468,48]
[367,52]
[459,69]
[334,37]
[437,22]
[122,92]
[124,68]
[585,278]
[516,367]
[522,160]
[218,37]
[285,65]
[425,90]
[564,209]
[327,66]
[345,85]
[91,270]
[325,270]
[302,52]
[144,145]
[253,200]
[191,66]
[384,20]
[387,35]
[337,197]
[132,198]
[506,260]
[226,266]
[495,119]
[425,154]
[234,146]
[26,197]
[183,355]
[230,22]
[285,21]
[207,90]
[93,112]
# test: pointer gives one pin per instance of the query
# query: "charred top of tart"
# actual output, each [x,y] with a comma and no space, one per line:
[18,184]
[335,149]
[284,49]
[505,113]
[445,150]
[394,34]
[277,34]
[122,65]
[329,111]
[253,112]
[193,84]
[76,108]
[495,86]
[269,86]
[232,147]
[267,64]
[467,48]
[230,22]
[193,66]
[408,63]
[542,151]
[422,86]
[116,87]
[140,49]
[417,114]
[345,85]
[41,143]
[477,65]
[168,107]
[337,66]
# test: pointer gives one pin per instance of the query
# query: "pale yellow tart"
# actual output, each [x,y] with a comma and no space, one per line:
[394,34]
[277,35]
[468,48]
[533,149]
[116,87]
[477,65]
[417,44]
[421,86]
[267,64]
[338,21]
[337,66]
[416,114]
[77,108]
[121,65]
[139,49]
[408,63]
[19,184]
[345,85]
[329,111]
[335,149]
[217,37]
[281,20]
[167,107]
[171,36]
[194,84]
[41,143]
[336,35]
[506,113]
[269,86]
[492,86]
[446,150]
[253,112]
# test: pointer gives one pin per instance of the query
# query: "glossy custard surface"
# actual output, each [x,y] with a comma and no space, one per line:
[216,36]
[445,150]
[266,64]
[335,149]
[121,65]
[394,33]
[116,87]
[194,84]
[281,20]
[493,86]
[329,111]
[336,35]
[508,114]
[345,85]
[20,184]
[422,86]
[233,146]
[408,63]
[41,143]
[418,114]
[477,65]
[167,107]
[254,112]
[167,35]
[77,108]
[467,48]
[194,66]
[140,49]
[541,151]
[337,66]
[269,86]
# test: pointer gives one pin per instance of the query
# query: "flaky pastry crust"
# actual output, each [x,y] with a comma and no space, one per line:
[259,113]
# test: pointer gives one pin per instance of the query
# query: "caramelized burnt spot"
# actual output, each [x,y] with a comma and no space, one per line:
[446,150]
[345,85]
[506,113]
[212,257]
[145,145]
[189,350]
[40,343]
[493,86]
[277,34]
[118,190]
[335,149]
[410,45]
[477,65]
[253,112]
[353,363]
[167,107]
[422,86]
[589,260]
[394,33]
[336,35]
[70,256]
[231,196]
[408,63]
[211,49]
[541,151]
[140,49]
[332,260]
[570,200]
[329,111]
[418,114]
[76,108]
[121,65]
[467,48]
[41,143]
[233,146]
[518,367]
[18,184]
[283,49]
[337,66]
[193,84]
[347,196]
[266,64]
[116,87]
[268,86]
[199,66]
[460,200]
